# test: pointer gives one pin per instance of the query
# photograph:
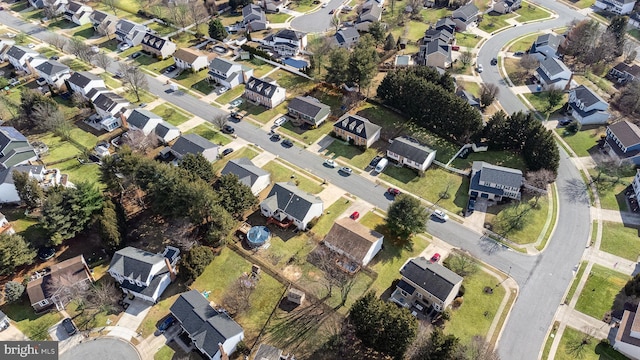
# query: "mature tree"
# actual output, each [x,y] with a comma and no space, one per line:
[488,93]
[376,30]
[138,141]
[134,79]
[217,30]
[29,101]
[48,116]
[158,10]
[237,297]
[540,150]
[219,120]
[529,63]
[105,29]
[466,57]
[197,12]
[80,49]
[554,97]
[478,349]
[112,5]
[13,291]
[336,22]
[332,275]
[618,27]
[363,62]
[437,347]
[338,69]
[110,226]
[219,226]
[103,296]
[103,60]
[50,10]
[628,100]
[540,179]
[462,264]
[382,325]
[196,261]
[57,41]
[235,196]
[28,188]
[14,252]
[319,48]
[389,42]
[180,15]
[233,4]
[406,216]
[629,51]
[198,166]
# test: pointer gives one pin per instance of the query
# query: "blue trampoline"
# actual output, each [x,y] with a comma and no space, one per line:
[258,235]
[298,64]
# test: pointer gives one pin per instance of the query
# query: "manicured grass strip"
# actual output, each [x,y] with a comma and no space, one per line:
[524,43]
[574,283]
[165,353]
[594,350]
[530,12]
[617,239]
[230,95]
[280,173]
[330,215]
[528,228]
[208,132]
[467,40]
[600,290]
[171,114]
[554,218]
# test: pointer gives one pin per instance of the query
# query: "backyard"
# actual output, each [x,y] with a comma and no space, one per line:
[620,240]
[600,290]
[611,190]
[280,173]
[260,68]
[501,158]
[295,85]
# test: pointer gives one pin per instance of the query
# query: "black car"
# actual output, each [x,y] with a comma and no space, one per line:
[564,122]
[46,253]
[472,205]
[518,53]
[287,143]
[375,161]
[494,61]
[228,129]
[226,152]
[275,137]
[170,69]
[54,58]
[69,327]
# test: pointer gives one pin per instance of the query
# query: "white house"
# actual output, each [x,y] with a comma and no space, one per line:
[354,240]
[254,18]
[109,104]
[190,59]
[264,93]
[83,81]
[623,143]
[545,45]
[287,205]
[620,7]
[14,148]
[143,120]
[77,13]
[45,178]
[166,132]
[211,331]
[370,12]
[23,58]
[553,73]
[5,228]
[158,46]
[143,274]
[273,6]
[228,73]
[346,37]
[103,23]
[195,144]
[357,130]
[309,110]
[494,182]
[129,32]
[507,6]
[53,72]
[410,153]
[286,42]
[587,107]
[248,174]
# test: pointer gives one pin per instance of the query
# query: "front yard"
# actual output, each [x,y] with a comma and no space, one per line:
[583,141]
[35,327]
[595,350]
[540,102]
[246,151]
[342,151]
[611,192]
[171,114]
[230,95]
[600,290]
[515,72]
[307,135]
[280,173]
[197,81]
[524,43]
[494,21]
[330,215]
[530,12]
[620,240]
[509,221]
[261,113]
[208,132]
[467,40]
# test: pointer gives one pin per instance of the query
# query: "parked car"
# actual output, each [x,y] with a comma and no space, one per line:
[166,323]
[136,55]
[54,58]
[280,121]
[472,205]
[287,143]
[226,152]
[564,122]
[332,11]
[324,5]
[31,45]
[346,170]
[14,82]
[46,253]
[41,81]
[480,68]
[441,215]
[124,47]
[228,129]
[223,90]
[494,61]
[518,53]
[236,102]
[275,137]
[393,191]
[375,161]
[170,69]
[355,215]
[10,35]
[435,258]
[330,163]
[236,116]
[69,327]
[142,105]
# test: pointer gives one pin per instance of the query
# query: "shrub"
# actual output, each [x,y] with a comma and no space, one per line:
[13,291]
[196,261]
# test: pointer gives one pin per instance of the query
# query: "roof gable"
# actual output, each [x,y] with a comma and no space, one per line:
[627,133]
[352,238]
[192,144]
[140,118]
[499,175]
[288,198]
[83,78]
[357,125]
[309,106]
[431,277]
[246,171]
[135,263]
[262,87]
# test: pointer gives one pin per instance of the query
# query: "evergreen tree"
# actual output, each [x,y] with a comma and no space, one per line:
[196,261]
[235,196]
[338,69]
[29,191]
[438,347]
[217,30]
[363,62]
[376,30]
[390,42]
[618,27]
[13,291]
[14,252]
[406,216]
[110,228]
[199,166]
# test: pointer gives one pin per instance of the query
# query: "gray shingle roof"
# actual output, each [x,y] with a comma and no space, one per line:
[553,66]
[357,125]
[309,106]
[288,198]
[135,263]
[99,16]
[108,100]
[154,41]
[261,87]
[468,97]
[550,40]
[192,144]
[627,133]
[9,134]
[206,326]
[140,117]
[222,65]
[17,51]
[432,277]
[500,175]
[437,46]
[6,175]
[246,171]
[410,150]
[347,33]
[445,23]
[587,96]
[163,128]
[82,78]
[51,67]
[466,12]
[290,34]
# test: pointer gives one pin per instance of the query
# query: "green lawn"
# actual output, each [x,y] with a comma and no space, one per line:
[34,326]
[342,151]
[278,18]
[155,314]
[84,138]
[583,4]
[431,16]
[85,31]
[523,43]
[600,290]
[48,52]
[501,158]
[188,79]
[635,33]
[90,319]
[80,172]
[595,350]
[494,21]
[417,30]
[58,148]
[612,196]
[429,186]
[145,96]
[261,113]
[330,215]
[154,65]
[530,12]
[467,40]
[501,217]
[208,132]
[308,136]
[110,81]
[110,45]
[541,104]
[125,54]
[165,353]
[230,95]
[260,68]
[575,282]
[171,114]
[280,173]
[61,24]
[470,319]
[161,29]
[295,85]
[584,140]
[596,83]
[246,151]
[620,240]
[77,65]
[302,5]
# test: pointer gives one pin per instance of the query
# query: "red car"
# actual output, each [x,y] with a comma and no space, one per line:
[435,258]
[393,191]
[355,215]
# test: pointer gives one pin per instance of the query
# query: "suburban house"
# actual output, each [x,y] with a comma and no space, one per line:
[286,42]
[158,46]
[143,120]
[587,107]
[5,45]
[195,144]
[250,175]
[620,7]
[287,205]
[228,73]
[39,4]
[143,274]
[309,110]
[469,98]
[623,139]
[627,338]
[57,287]
[353,240]
[426,285]
[624,73]
[436,53]
[494,182]
[93,93]
[507,6]
[370,12]
[77,13]
[109,106]
[545,46]
[553,73]
[443,34]
[634,19]
[130,32]
[212,332]
[273,6]
[410,153]
[346,37]
[53,72]
[166,132]
[83,81]
[14,148]
[465,16]
[6,228]
[103,23]
[191,59]
[264,93]
[357,129]
[254,18]
[45,178]
[23,59]
[446,24]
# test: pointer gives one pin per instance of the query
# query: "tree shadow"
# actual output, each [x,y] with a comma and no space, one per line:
[575,191]
[490,246]
[293,328]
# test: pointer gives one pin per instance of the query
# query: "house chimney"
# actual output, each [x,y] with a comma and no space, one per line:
[125,124]
[223,354]
[172,272]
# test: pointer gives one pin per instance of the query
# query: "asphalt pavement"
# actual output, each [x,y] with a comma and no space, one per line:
[317,21]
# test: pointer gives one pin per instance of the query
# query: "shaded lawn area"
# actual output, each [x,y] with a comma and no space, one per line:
[341,150]
[48,52]
[635,33]
[541,103]
[389,260]
[260,68]
[612,196]
[467,40]
[77,65]
[111,45]
[61,24]
[280,173]
[575,282]
[188,79]
[208,132]
[246,151]
[308,136]
[110,81]
[171,114]
[85,31]
[34,326]
[470,320]
[261,113]
[87,320]
[530,12]
[278,18]
[600,290]
[58,148]
[230,95]
[80,172]
[501,158]
[470,86]
[328,97]
[184,39]
[617,239]
[502,218]
[330,215]
[295,85]
[458,68]
[429,186]
[595,350]
[228,19]
[494,21]
[524,43]
[155,314]
[596,83]
[515,72]
[582,141]
[161,29]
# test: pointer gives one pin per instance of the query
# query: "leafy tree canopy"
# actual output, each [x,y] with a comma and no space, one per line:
[406,216]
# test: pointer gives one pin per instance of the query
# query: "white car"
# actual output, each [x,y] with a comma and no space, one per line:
[324,5]
[330,163]
[441,215]
[480,68]
[10,35]
[223,90]
[31,45]
[124,47]
[280,121]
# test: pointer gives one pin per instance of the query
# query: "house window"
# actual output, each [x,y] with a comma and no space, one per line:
[44,302]
[419,295]
[404,293]
[131,281]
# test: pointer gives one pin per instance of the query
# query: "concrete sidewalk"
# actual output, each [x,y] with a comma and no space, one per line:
[623,217]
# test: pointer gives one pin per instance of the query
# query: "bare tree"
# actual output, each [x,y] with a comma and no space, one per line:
[180,15]
[333,276]
[529,63]
[629,51]
[539,180]
[158,10]
[578,347]
[103,60]
[134,79]
[111,4]
[180,232]
[236,298]
[219,121]
[65,288]
[462,264]
[466,58]
[57,41]
[335,22]
[488,94]
[51,9]
[103,296]
[319,47]
[197,12]
[105,29]
[416,6]
[78,100]
[47,116]
[80,49]
[138,141]
[478,349]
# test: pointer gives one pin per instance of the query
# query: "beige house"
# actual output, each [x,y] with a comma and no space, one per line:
[357,129]
[354,240]
[194,60]
[264,93]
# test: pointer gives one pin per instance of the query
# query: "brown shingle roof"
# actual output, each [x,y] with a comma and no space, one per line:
[628,133]
[68,272]
[188,55]
[629,320]
[352,238]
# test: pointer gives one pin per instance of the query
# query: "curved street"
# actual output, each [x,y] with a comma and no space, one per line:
[317,21]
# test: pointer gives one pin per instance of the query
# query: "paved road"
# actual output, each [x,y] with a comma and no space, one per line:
[104,348]
[317,21]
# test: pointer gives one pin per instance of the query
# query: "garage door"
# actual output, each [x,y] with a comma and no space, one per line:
[484,196]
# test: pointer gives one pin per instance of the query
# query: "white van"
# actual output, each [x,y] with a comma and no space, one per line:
[381,165]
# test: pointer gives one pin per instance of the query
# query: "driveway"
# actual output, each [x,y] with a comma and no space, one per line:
[12,333]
